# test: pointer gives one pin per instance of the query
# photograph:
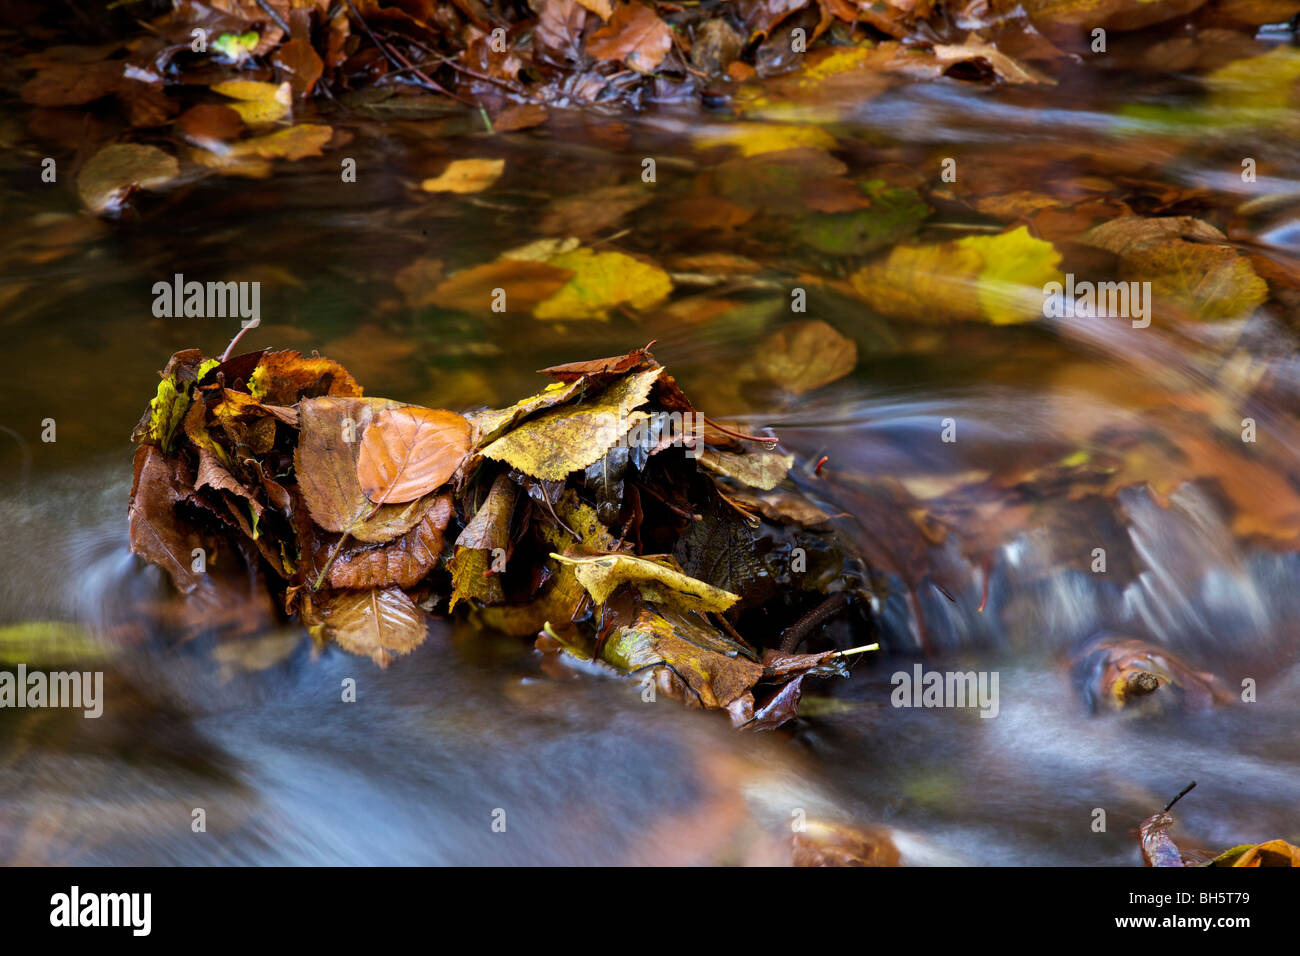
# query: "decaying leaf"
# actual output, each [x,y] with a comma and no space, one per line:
[258,104]
[758,469]
[804,356]
[635,35]
[602,281]
[401,562]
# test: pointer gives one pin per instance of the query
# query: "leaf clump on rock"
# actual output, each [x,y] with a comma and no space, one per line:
[604,517]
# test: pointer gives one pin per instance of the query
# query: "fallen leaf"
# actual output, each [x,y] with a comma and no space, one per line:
[257,104]
[755,139]
[525,285]
[116,171]
[325,462]
[286,377]
[803,356]
[758,469]
[557,442]
[660,581]
[997,279]
[602,281]
[466,176]
[381,624]
[402,562]
[407,452]
[691,656]
[635,35]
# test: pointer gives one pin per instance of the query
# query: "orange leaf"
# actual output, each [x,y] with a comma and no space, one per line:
[635,35]
[407,452]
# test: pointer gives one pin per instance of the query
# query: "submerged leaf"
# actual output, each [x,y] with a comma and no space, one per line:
[602,281]
[466,176]
[113,173]
[996,279]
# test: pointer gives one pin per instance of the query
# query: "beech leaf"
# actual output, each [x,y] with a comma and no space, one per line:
[407,452]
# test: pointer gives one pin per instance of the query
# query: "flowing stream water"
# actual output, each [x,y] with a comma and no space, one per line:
[585,772]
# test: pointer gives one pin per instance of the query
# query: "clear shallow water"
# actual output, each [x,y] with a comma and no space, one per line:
[585,772]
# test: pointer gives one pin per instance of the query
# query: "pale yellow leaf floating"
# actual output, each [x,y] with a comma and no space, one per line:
[602,281]
[754,139]
[562,440]
[257,103]
[660,581]
[116,171]
[466,176]
[997,279]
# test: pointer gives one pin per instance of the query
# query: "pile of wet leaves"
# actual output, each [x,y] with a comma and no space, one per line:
[604,517]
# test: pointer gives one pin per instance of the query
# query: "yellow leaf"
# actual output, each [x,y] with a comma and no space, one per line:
[996,279]
[466,176]
[295,142]
[257,103]
[662,582]
[562,440]
[601,281]
[753,139]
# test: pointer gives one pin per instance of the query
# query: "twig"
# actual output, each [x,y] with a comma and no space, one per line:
[794,635]
[239,335]
[769,439]
[275,17]
[1182,793]
[397,59]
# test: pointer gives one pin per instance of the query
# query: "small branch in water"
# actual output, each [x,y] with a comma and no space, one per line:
[1182,793]
[769,439]
[794,635]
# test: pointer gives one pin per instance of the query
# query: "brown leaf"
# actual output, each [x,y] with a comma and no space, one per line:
[525,285]
[326,465]
[72,84]
[827,844]
[806,355]
[635,35]
[523,116]
[209,124]
[400,563]
[298,63]
[380,623]
[157,534]
[407,452]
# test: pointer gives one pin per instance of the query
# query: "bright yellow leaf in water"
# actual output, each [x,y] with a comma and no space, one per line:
[997,279]
[754,139]
[466,176]
[601,281]
[257,103]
